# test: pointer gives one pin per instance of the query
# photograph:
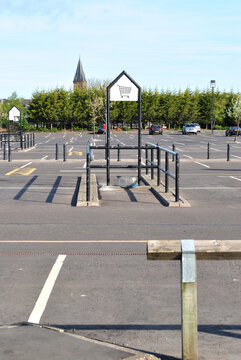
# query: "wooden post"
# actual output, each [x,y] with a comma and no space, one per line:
[188,254]
[189,301]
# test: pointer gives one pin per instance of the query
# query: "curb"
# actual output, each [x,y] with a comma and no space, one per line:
[136,355]
[167,199]
[94,198]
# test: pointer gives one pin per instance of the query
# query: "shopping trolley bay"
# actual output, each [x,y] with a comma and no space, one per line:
[91,261]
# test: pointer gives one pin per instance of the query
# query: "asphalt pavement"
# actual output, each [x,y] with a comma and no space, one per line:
[105,289]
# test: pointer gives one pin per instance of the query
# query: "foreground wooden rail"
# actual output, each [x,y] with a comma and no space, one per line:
[188,251]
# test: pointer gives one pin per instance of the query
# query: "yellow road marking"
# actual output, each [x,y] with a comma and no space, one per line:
[19,171]
[73,241]
[75,153]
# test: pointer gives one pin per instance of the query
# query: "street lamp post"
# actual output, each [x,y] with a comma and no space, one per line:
[213,85]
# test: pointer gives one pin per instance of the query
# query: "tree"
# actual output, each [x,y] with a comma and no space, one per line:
[234,111]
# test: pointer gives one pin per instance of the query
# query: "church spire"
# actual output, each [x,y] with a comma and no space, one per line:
[79,79]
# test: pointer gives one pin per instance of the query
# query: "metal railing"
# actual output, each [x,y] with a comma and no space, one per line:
[166,169]
[26,141]
[149,164]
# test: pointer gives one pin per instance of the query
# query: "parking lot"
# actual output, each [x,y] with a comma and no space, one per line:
[105,288]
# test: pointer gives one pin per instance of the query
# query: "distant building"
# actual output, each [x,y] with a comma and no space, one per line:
[79,79]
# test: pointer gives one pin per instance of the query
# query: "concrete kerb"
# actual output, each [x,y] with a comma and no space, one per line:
[84,348]
[167,199]
[94,198]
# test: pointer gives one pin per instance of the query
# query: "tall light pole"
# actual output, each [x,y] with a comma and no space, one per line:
[213,85]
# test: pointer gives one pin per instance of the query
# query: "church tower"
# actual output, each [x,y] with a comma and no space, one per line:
[79,79]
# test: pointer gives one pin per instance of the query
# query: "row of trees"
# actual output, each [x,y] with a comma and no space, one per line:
[84,108]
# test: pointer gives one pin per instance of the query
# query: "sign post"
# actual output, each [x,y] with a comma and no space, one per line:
[123,88]
[14,115]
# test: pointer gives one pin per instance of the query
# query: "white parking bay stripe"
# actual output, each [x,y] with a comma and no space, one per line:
[23,166]
[46,291]
[233,177]
[196,162]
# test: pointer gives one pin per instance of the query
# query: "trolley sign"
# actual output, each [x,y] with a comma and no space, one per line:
[14,114]
[124,88]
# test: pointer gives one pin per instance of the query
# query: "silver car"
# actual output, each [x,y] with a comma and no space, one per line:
[189,129]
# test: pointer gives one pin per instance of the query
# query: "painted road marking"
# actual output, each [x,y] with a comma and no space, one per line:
[46,291]
[71,153]
[21,167]
[20,171]
[44,157]
[196,162]
[74,241]
[84,166]
[188,156]
[233,177]
[180,143]
[236,156]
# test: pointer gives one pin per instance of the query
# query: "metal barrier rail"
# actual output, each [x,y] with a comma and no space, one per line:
[150,164]
[26,141]
[165,169]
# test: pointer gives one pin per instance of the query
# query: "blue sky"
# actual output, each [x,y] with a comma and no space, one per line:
[163,44]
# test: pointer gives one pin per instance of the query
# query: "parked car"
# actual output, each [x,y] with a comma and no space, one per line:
[156,129]
[101,129]
[198,127]
[233,130]
[189,129]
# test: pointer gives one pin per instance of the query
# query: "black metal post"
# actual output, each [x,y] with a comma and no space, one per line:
[33,139]
[118,152]
[228,152]
[208,151]
[152,160]
[173,149]
[24,141]
[139,137]
[57,152]
[146,150]
[8,139]
[166,172]
[212,108]
[177,178]
[158,166]
[4,151]
[64,152]
[87,177]
[9,152]
[27,140]
[1,141]
[21,132]
[108,138]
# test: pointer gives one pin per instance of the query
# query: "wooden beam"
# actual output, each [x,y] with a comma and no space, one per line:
[204,249]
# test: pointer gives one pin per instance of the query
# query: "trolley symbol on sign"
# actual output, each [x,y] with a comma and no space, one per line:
[124,91]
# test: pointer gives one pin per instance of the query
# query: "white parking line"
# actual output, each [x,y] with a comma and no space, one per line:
[121,142]
[71,149]
[236,156]
[41,303]
[84,166]
[196,162]
[233,177]
[44,157]
[189,157]
[23,166]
